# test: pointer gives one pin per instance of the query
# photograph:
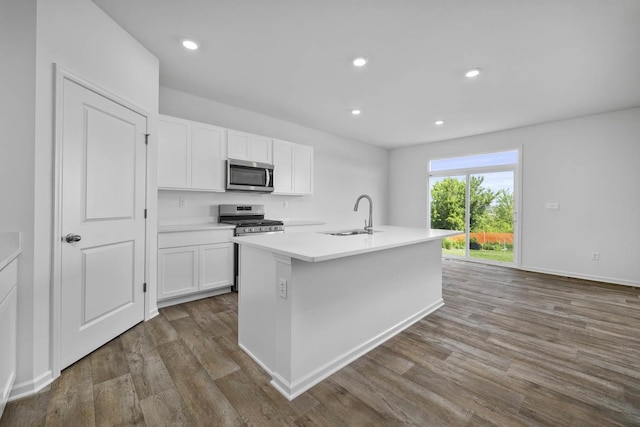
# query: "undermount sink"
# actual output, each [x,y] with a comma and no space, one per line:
[347,232]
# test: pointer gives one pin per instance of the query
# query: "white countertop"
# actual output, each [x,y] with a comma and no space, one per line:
[315,246]
[9,248]
[302,222]
[172,228]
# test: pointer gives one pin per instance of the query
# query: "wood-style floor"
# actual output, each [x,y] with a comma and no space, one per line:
[509,348]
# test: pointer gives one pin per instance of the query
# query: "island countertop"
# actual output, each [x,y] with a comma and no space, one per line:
[318,246]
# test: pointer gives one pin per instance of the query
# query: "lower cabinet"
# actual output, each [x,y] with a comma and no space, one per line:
[193,262]
[178,271]
[216,266]
[8,330]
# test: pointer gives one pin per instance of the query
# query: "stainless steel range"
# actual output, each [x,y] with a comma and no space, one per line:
[249,220]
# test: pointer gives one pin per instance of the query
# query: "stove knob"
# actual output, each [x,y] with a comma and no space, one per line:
[252,229]
[274,228]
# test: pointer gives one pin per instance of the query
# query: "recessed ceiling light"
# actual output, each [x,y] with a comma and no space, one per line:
[356,112]
[473,73]
[438,122]
[189,44]
[360,61]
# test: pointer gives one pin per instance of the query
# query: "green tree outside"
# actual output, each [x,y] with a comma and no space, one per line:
[448,204]
[501,213]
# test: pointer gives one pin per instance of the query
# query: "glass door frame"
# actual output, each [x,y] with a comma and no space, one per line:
[466,173]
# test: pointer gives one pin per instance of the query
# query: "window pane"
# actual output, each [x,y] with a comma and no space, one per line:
[448,195]
[491,216]
[492,159]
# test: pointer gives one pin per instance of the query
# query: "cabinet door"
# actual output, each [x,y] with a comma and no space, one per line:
[282,167]
[302,169]
[8,330]
[260,149]
[177,271]
[208,155]
[216,266]
[174,153]
[237,145]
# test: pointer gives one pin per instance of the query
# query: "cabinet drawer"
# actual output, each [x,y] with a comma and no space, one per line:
[192,238]
[8,278]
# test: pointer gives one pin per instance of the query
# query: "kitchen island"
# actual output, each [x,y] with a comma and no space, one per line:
[311,303]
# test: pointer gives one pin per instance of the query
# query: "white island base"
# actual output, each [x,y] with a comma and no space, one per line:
[303,320]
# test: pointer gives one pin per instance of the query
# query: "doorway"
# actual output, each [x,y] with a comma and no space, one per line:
[99,253]
[477,196]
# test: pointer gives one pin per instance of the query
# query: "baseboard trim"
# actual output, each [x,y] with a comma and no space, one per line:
[293,390]
[255,359]
[28,388]
[604,279]
[192,297]
[152,314]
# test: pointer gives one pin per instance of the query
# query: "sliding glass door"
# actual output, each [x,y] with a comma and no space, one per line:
[476,195]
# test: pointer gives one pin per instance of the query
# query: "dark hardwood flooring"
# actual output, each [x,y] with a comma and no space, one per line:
[509,348]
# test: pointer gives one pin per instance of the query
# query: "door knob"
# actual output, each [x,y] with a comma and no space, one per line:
[72,238]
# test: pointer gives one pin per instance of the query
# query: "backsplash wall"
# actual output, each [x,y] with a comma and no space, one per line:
[178,207]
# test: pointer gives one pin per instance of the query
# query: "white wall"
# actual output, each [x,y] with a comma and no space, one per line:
[590,166]
[77,35]
[17,147]
[344,169]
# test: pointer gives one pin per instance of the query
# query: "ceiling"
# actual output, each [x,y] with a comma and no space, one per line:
[541,60]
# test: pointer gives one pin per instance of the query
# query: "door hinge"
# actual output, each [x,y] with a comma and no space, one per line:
[145,214]
[144,287]
[146,138]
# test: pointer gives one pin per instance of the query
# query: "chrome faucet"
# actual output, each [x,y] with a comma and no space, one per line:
[368,227]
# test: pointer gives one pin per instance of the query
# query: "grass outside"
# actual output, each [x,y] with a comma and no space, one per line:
[500,256]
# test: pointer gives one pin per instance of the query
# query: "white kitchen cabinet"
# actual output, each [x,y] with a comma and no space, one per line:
[247,146]
[193,263]
[293,168]
[8,329]
[282,167]
[177,271]
[216,265]
[174,153]
[191,155]
[208,156]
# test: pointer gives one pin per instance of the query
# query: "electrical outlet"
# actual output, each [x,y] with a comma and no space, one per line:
[285,204]
[181,202]
[282,288]
[595,256]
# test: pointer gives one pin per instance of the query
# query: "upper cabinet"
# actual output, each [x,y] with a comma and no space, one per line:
[174,153]
[247,146]
[191,155]
[293,168]
[208,157]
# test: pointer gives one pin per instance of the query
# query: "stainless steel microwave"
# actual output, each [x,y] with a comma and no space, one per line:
[249,176]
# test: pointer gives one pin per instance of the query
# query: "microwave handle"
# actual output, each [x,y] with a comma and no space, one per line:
[268,176]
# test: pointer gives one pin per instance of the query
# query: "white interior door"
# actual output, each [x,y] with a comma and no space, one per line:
[102,219]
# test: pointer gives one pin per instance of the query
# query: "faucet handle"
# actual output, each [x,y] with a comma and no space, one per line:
[365,224]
